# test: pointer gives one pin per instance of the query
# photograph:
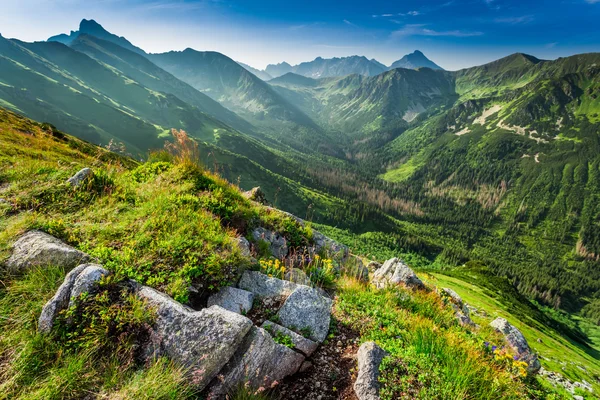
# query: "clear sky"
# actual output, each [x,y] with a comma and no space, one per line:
[453,33]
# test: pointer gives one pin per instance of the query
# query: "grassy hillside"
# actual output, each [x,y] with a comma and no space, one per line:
[172,225]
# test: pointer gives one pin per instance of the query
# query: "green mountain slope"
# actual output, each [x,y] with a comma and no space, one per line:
[140,69]
[515,173]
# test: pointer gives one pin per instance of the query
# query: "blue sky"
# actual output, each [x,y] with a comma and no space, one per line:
[453,33]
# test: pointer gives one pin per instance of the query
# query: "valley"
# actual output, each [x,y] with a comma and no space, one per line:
[483,178]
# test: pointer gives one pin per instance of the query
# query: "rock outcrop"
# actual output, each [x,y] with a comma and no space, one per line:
[257,363]
[257,195]
[232,299]
[394,272]
[461,310]
[36,248]
[217,346]
[80,177]
[373,266]
[370,356]
[203,341]
[277,243]
[264,286]
[517,343]
[307,310]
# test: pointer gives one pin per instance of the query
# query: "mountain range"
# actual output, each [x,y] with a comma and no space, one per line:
[332,67]
[492,168]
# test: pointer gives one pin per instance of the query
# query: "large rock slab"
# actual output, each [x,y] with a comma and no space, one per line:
[394,272]
[518,343]
[203,341]
[36,248]
[302,344]
[367,385]
[59,301]
[264,286]
[307,309]
[277,243]
[232,299]
[259,362]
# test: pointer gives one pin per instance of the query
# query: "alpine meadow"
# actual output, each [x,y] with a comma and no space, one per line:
[234,221]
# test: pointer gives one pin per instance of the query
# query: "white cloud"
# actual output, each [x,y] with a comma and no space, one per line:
[421,30]
[524,19]
[350,23]
[592,1]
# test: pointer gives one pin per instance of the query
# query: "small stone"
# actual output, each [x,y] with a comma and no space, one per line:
[306,365]
[80,177]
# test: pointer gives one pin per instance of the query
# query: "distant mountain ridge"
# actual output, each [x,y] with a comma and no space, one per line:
[91,27]
[343,66]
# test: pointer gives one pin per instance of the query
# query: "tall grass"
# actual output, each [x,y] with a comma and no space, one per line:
[431,356]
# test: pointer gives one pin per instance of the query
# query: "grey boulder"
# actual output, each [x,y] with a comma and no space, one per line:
[59,301]
[202,341]
[307,309]
[80,279]
[394,272]
[232,299]
[80,177]
[302,344]
[86,281]
[36,248]
[264,286]
[259,362]
[517,343]
[277,243]
[367,385]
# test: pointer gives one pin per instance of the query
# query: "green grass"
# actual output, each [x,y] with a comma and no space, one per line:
[431,357]
[557,353]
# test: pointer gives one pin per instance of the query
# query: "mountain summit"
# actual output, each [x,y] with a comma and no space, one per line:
[415,60]
[91,27]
